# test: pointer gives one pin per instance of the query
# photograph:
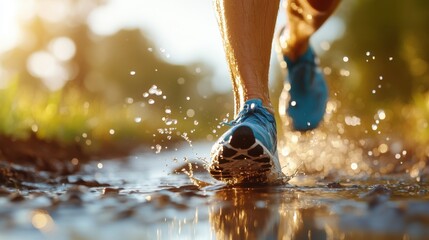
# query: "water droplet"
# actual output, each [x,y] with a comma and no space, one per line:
[368,53]
[100,165]
[344,72]
[188,98]
[373,91]
[190,113]
[150,49]
[34,128]
[155,90]
[325,45]
[345,59]
[327,70]
[112,131]
[181,81]
[169,121]
[145,95]
[383,148]
[374,127]
[132,73]
[129,100]
[294,138]
[151,101]
[158,148]
[138,120]
[380,78]
[352,120]
[196,122]
[209,137]
[354,166]
[381,114]
[168,110]
[293,103]
[390,58]
[75,161]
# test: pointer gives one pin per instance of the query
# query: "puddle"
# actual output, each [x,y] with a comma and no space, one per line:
[148,196]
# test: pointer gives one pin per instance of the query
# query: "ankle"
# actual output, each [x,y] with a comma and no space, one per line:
[293,52]
[292,47]
[266,103]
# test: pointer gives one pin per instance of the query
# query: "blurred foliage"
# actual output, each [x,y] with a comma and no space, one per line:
[119,87]
[59,116]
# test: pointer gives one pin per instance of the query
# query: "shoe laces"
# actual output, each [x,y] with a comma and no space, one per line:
[252,109]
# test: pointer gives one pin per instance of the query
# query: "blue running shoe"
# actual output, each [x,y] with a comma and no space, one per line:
[247,152]
[308,93]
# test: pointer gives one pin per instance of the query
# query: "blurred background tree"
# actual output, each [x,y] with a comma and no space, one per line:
[124,74]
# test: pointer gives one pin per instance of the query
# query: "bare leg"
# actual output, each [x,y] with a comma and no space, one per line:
[247,28]
[304,17]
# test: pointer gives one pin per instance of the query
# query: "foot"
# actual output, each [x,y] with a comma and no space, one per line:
[247,152]
[307,90]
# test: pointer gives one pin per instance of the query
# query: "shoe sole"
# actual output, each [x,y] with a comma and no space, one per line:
[242,159]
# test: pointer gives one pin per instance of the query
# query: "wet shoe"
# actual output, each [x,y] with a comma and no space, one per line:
[247,152]
[308,93]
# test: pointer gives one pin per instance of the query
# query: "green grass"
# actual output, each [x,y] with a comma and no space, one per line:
[65,117]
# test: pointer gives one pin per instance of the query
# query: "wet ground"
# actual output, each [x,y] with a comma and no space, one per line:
[148,196]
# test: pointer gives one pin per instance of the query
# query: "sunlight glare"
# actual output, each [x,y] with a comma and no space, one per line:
[45,66]
[42,221]
[63,48]
[9,30]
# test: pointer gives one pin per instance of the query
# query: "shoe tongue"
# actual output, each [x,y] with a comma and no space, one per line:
[252,103]
[255,101]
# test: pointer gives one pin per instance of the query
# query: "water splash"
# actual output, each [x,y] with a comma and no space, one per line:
[324,150]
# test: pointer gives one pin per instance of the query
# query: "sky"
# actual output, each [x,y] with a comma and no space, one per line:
[186,29]
[8,26]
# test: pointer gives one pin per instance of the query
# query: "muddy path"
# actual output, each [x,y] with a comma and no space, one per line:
[149,196]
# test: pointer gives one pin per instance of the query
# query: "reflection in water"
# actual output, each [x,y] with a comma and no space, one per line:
[320,212]
[262,213]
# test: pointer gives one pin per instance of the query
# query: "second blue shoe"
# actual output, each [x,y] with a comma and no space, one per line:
[308,92]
